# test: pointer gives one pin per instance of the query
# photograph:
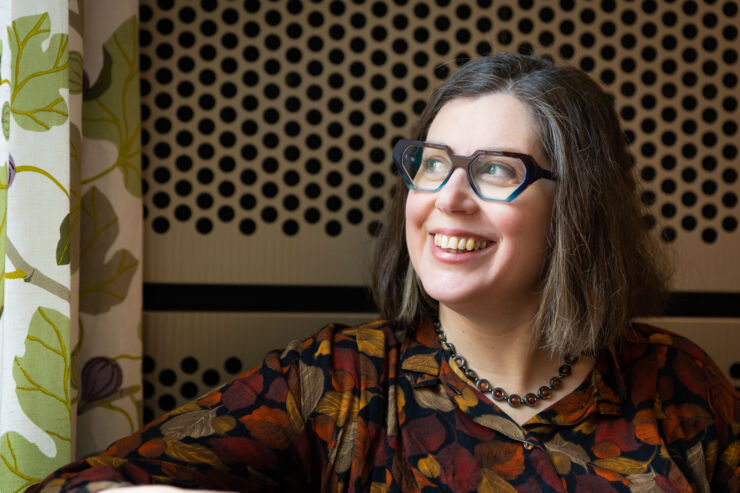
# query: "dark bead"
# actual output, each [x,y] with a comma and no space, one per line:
[555,383]
[514,400]
[484,385]
[530,399]
[564,370]
[545,392]
[498,394]
[459,360]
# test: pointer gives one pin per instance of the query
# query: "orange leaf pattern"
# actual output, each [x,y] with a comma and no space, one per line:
[372,409]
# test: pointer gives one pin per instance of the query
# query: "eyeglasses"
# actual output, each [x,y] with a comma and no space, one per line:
[493,175]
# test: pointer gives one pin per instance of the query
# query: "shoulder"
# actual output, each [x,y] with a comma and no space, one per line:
[673,353]
[656,339]
[373,339]
[676,368]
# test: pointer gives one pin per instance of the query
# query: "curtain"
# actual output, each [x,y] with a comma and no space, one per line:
[70,232]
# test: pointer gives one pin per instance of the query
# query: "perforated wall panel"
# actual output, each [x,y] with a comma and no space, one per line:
[268,125]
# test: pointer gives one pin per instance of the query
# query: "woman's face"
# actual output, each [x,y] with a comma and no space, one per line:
[509,268]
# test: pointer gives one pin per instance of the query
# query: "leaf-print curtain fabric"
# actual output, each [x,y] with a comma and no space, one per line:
[70,232]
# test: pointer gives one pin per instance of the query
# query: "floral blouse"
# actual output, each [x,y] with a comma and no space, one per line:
[374,410]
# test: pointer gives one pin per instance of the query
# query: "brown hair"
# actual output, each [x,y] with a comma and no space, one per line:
[604,266]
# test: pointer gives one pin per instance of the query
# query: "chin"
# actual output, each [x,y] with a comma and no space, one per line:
[454,297]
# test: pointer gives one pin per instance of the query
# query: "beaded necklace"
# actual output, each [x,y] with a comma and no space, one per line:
[499,394]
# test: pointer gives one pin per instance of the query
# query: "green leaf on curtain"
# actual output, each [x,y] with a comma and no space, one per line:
[104,79]
[37,75]
[75,166]
[76,76]
[104,279]
[111,107]
[3,230]
[63,244]
[42,386]
[6,120]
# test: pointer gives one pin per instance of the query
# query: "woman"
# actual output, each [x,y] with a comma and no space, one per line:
[507,276]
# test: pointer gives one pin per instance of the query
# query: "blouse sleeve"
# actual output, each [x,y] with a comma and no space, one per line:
[723,467]
[248,435]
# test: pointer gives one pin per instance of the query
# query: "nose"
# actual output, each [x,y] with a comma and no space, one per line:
[457,196]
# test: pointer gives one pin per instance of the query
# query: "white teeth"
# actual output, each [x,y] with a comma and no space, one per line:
[454,243]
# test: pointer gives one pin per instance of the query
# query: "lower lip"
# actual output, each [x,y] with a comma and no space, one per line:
[456,258]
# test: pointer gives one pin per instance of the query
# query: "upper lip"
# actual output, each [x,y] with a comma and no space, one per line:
[460,233]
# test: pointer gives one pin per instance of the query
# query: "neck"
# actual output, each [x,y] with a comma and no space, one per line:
[501,348]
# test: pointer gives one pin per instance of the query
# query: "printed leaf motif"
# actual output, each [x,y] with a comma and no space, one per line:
[63,243]
[493,483]
[4,170]
[312,386]
[369,341]
[342,452]
[37,75]
[429,466]
[6,119]
[433,398]
[501,424]
[105,280]
[643,483]
[75,72]
[75,165]
[269,426]
[338,405]
[194,424]
[294,417]
[111,106]
[572,450]
[422,363]
[192,453]
[41,378]
[623,465]
[104,79]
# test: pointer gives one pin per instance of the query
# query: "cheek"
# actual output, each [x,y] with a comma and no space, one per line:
[415,215]
[530,222]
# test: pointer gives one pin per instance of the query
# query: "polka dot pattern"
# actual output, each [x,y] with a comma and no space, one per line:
[166,388]
[284,113]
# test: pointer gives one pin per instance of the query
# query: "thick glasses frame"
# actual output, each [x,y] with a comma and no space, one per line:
[533,170]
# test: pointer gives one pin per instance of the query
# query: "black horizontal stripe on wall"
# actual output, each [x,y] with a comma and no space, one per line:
[355,299]
[256,298]
[691,304]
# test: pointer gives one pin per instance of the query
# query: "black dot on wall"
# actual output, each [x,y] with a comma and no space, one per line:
[189,390]
[148,390]
[233,365]
[148,364]
[211,377]
[167,377]
[189,364]
[166,402]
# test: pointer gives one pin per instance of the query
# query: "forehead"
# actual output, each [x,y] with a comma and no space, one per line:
[494,121]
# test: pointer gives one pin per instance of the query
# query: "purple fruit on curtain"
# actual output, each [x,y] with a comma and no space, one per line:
[11,170]
[101,377]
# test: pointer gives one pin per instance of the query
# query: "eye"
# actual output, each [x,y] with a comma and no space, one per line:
[499,171]
[435,165]
[494,169]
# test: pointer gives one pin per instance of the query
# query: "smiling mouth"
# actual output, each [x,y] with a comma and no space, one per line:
[458,244]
